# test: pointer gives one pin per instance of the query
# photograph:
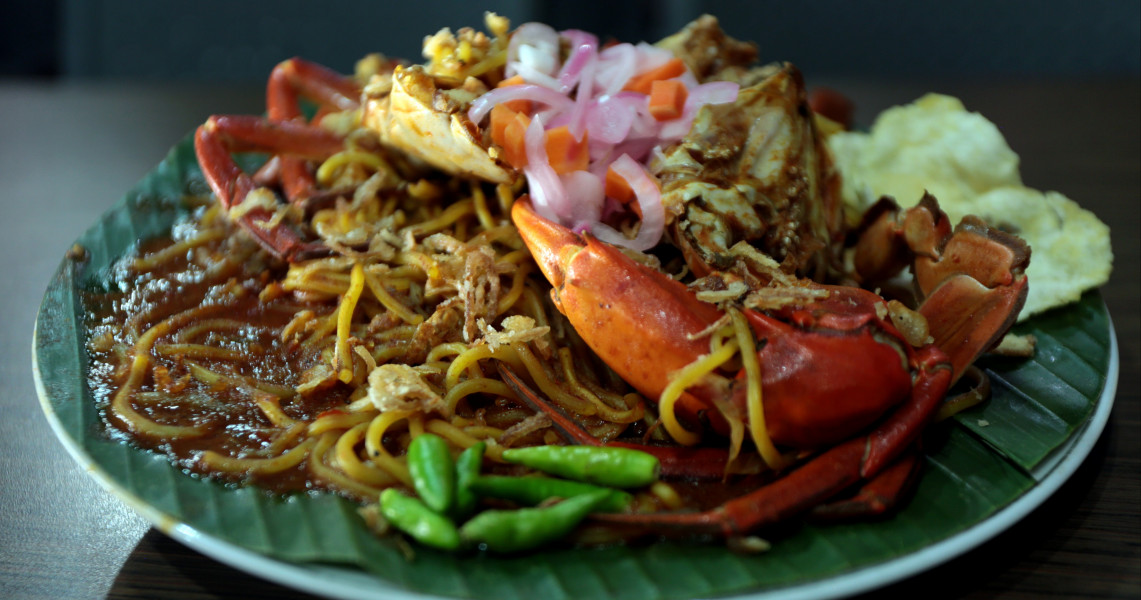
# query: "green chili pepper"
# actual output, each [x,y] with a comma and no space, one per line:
[433,471]
[417,520]
[602,465]
[468,466]
[530,491]
[526,528]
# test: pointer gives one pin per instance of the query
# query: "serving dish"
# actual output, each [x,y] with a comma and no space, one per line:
[986,469]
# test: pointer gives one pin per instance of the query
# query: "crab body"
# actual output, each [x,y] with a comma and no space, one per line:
[755,171]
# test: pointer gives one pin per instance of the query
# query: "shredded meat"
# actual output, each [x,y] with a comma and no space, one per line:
[442,326]
[400,387]
[516,328]
[709,52]
[479,290]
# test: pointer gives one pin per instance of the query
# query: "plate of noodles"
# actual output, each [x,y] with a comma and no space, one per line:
[229,398]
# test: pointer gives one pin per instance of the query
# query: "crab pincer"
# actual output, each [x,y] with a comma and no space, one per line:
[836,375]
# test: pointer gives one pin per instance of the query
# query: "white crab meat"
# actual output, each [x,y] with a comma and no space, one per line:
[426,117]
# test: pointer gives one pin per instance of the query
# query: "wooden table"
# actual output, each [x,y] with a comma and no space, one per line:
[67,152]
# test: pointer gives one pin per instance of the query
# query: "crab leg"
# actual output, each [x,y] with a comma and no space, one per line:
[289,81]
[222,134]
[248,133]
[296,78]
[879,495]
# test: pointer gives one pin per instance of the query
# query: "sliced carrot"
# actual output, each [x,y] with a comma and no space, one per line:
[641,82]
[521,105]
[617,187]
[500,116]
[565,153]
[514,136]
[508,128]
[513,80]
[667,99]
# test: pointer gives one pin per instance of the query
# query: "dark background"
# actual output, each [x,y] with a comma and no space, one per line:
[240,41]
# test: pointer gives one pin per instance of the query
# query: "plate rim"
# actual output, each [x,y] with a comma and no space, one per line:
[345,582]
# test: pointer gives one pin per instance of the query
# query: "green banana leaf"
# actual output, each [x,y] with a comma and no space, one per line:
[981,461]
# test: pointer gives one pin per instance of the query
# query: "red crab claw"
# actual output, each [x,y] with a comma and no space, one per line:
[970,282]
[215,140]
[645,325]
[830,368]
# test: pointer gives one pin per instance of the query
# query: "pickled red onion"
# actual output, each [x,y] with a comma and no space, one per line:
[609,119]
[616,65]
[534,47]
[481,106]
[588,191]
[649,198]
[616,123]
[547,191]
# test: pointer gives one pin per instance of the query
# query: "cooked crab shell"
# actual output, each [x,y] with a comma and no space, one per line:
[755,171]
[426,117]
